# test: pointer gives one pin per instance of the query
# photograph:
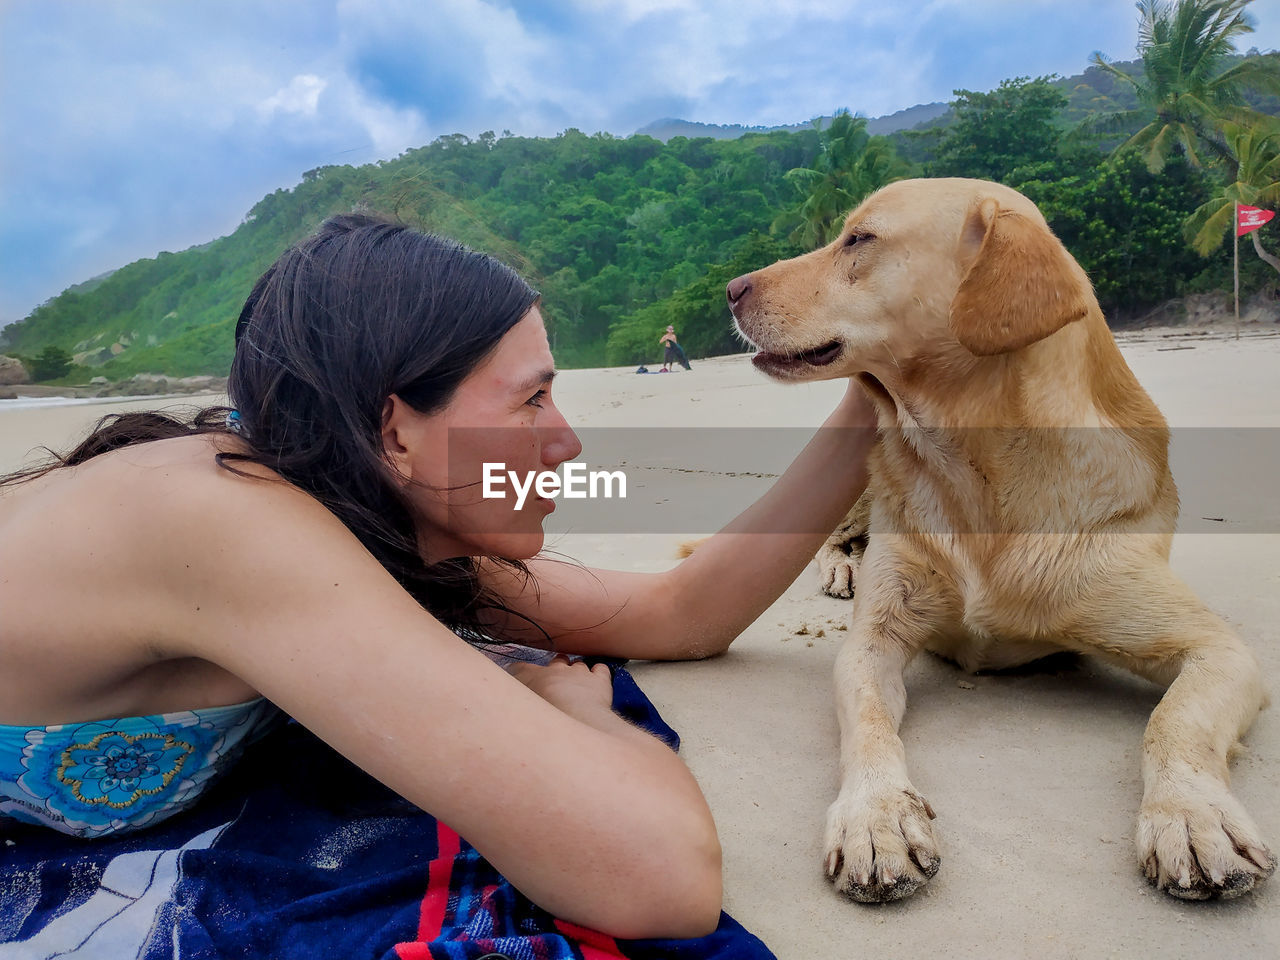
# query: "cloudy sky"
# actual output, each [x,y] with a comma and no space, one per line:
[128,127]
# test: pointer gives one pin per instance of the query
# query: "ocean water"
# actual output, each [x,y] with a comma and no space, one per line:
[27,403]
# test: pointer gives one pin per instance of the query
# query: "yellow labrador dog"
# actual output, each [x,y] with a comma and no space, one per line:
[1021,504]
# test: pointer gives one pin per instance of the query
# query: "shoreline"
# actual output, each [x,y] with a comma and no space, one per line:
[1215,329]
[135,387]
[41,400]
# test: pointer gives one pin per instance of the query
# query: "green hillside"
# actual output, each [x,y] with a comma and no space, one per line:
[625,235]
[600,225]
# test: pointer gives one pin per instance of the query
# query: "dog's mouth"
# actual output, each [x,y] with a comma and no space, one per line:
[791,363]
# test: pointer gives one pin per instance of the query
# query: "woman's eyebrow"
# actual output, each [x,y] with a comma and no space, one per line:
[537,380]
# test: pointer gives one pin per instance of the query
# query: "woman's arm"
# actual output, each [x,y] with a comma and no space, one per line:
[591,818]
[699,607]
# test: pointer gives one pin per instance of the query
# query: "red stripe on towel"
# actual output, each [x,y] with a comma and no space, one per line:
[413,951]
[593,944]
[439,874]
[436,900]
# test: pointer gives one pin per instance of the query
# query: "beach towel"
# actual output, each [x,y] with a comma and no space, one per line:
[297,853]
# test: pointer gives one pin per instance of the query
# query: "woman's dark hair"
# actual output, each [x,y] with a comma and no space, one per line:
[362,309]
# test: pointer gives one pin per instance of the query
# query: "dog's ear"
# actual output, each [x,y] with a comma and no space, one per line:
[1021,285]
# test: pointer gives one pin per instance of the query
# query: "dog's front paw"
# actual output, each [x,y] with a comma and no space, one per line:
[880,846]
[838,571]
[1198,843]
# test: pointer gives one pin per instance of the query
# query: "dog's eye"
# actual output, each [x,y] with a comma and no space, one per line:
[857,238]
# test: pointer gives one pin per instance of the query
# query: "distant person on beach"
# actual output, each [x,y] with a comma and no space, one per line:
[672,351]
[322,551]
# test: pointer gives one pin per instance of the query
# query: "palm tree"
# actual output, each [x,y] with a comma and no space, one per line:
[1257,183]
[851,165]
[1186,83]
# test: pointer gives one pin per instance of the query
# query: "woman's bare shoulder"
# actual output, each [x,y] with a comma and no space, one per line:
[221,511]
[199,484]
[165,523]
[116,502]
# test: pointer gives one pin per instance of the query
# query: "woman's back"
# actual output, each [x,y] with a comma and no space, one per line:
[85,556]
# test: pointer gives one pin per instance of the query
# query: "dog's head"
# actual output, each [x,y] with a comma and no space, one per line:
[922,268]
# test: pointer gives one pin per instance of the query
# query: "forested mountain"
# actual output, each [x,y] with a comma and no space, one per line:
[604,227]
[625,235]
[906,119]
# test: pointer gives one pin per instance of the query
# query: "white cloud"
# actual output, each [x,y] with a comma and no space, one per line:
[480,45]
[390,130]
[300,96]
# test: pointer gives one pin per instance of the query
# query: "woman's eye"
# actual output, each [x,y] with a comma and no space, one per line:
[537,398]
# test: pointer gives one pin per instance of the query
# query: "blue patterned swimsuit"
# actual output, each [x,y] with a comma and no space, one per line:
[111,776]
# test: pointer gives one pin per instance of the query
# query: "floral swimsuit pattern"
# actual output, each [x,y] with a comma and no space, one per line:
[111,776]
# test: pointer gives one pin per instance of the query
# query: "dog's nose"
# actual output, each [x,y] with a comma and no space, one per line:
[737,289]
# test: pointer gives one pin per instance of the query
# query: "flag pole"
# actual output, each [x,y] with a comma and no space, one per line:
[1236,231]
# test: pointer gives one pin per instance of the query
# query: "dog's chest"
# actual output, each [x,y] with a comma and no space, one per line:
[1013,589]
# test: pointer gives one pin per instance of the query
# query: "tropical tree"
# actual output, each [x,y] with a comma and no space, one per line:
[1257,183]
[698,310]
[997,132]
[50,363]
[850,166]
[1124,224]
[1189,85]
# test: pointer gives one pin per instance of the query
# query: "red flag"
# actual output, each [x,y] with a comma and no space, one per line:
[1249,219]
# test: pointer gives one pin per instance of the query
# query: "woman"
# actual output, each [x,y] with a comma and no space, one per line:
[671,352]
[331,554]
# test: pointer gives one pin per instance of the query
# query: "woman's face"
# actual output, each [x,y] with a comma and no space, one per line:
[502,413]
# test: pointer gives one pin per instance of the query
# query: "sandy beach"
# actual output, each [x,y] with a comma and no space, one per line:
[1034,775]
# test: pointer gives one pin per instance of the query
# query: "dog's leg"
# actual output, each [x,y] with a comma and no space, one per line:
[839,557]
[1195,840]
[879,841]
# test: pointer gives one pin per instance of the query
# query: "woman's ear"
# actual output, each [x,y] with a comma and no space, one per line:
[1021,284]
[398,435]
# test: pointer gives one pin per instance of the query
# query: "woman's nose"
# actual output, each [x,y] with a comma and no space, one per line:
[559,442]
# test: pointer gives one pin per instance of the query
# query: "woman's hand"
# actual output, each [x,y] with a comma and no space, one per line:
[580,691]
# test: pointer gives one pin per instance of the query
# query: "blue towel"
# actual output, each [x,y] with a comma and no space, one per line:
[298,853]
